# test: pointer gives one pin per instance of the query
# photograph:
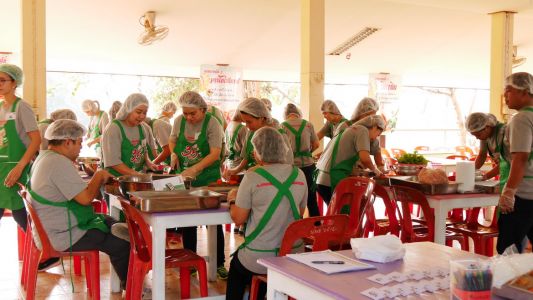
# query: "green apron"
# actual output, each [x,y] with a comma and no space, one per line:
[298,140]
[333,127]
[283,191]
[213,113]
[190,154]
[343,169]
[96,132]
[232,151]
[131,156]
[46,121]
[11,151]
[249,148]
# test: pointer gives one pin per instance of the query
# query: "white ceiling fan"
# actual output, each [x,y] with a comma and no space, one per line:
[517,60]
[151,32]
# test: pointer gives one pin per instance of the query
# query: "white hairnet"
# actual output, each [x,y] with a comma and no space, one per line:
[267,103]
[521,81]
[13,71]
[63,114]
[236,117]
[65,129]
[365,106]
[372,121]
[478,121]
[269,145]
[90,105]
[330,107]
[254,107]
[192,99]
[291,109]
[169,106]
[130,104]
[115,107]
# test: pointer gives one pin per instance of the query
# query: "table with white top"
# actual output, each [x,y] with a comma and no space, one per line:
[442,204]
[159,223]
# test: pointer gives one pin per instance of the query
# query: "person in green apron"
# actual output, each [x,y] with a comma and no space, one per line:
[196,141]
[268,199]
[516,199]
[62,199]
[235,137]
[55,115]
[344,151]
[303,141]
[126,140]
[98,122]
[255,115]
[161,129]
[19,142]
[333,117]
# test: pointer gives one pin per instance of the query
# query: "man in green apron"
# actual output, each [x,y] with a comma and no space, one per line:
[516,199]
[19,141]
[268,200]
[63,199]
[55,115]
[196,141]
[333,117]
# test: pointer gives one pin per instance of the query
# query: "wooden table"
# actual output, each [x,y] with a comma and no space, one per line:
[289,278]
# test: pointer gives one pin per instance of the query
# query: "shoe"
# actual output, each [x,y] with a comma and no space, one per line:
[222,273]
[48,264]
[121,231]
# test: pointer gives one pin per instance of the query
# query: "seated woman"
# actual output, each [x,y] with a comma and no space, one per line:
[344,151]
[266,206]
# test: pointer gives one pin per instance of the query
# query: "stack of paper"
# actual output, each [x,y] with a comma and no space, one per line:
[329,262]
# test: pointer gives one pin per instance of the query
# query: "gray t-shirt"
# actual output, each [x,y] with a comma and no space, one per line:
[215,133]
[55,178]
[329,129]
[104,121]
[161,129]
[288,158]
[354,139]
[240,141]
[256,193]
[493,141]
[521,139]
[42,129]
[112,141]
[24,120]
[307,139]
[218,114]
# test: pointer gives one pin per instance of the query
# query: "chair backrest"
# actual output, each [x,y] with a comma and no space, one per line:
[397,152]
[351,197]
[464,150]
[390,207]
[457,157]
[47,250]
[322,231]
[140,235]
[421,148]
[408,196]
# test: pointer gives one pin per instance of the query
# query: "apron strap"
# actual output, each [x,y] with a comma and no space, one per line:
[298,139]
[232,153]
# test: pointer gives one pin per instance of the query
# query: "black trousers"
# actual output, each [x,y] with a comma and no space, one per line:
[515,226]
[117,249]
[324,192]
[20,216]
[238,278]
[190,241]
[312,206]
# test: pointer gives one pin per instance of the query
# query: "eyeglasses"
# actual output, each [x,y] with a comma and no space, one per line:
[2,80]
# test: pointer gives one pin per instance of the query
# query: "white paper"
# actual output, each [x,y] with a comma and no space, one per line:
[465,176]
[176,183]
[328,255]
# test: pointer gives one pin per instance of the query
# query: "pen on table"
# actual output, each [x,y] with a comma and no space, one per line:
[331,262]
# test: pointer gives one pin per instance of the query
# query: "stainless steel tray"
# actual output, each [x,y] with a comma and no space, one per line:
[488,186]
[162,201]
[428,189]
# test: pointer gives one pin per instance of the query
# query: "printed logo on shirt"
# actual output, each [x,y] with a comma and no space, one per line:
[192,154]
[137,155]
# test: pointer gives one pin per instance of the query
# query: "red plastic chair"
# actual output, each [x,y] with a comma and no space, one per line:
[21,237]
[410,234]
[464,150]
[141,258]
[34,256]
[322,231]
[383,226]
[483,236]
[457,157]
[352,197]
[396,152]
[421,148]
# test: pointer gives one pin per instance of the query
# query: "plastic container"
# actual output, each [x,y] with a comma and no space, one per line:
[470,280]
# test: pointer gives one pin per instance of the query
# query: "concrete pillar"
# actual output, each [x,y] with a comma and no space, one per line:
[312,60]
[34,54]
[501,55]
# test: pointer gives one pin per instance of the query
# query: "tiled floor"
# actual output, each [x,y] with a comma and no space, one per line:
[56,284]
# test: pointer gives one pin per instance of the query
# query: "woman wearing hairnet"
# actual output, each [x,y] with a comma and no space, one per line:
[126,140]
[113,110]
[492,136]
[161,129]
[256,115]
[97,124]
[235,141]
[303,142]
[333,117]
[19,142]
[196,142]
[344,151]
[269,198]
[55,115]
[516,199]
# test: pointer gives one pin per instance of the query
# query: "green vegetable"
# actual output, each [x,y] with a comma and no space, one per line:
[412,158]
